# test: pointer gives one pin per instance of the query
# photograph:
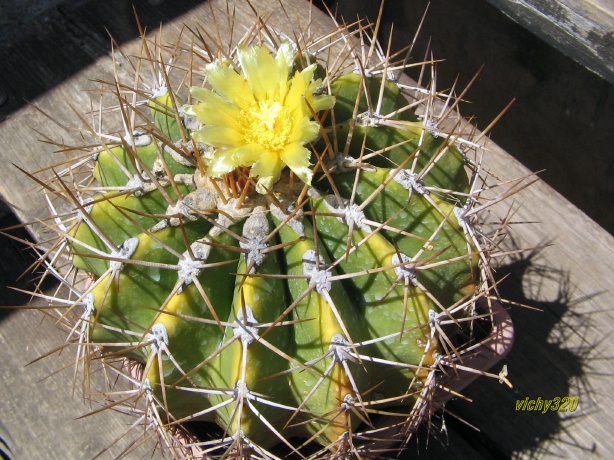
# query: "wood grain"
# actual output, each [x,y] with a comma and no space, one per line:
[580,29]
[561,350]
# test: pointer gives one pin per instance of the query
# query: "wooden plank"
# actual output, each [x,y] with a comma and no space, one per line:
[39,409]
[560,351]
[559,298]
[580,29]
[40,51]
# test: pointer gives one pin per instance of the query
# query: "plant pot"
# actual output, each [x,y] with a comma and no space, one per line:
[475,360]
[456,373]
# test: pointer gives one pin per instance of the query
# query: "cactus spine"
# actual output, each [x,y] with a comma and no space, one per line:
[290,255]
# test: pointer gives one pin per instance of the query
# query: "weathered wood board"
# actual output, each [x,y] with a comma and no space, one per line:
[562,350]
[581,29]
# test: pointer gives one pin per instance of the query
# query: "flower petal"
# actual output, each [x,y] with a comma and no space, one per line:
[304,131]
[321,102]
[230,85]
[248,154]
[219,136]
[296,156]
[213,110]
[221,163]
[260,70]
[287,50]
[227,160]
[294,100]
[284,57]
[268,170]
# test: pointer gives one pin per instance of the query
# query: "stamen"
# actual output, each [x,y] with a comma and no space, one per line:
[268,124]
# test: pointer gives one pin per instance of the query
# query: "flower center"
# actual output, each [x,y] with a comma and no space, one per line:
[267,123]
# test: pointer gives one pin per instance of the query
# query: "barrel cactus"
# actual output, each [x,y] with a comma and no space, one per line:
[281,242]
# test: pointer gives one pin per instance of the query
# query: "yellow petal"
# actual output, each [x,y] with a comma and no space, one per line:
[225,161]
[230,85]
[287,50]
[294,100]
[219,136]
[260,70]
[304,131]
[221,163]
[321,102]
[284,66]
[296,156]
[200,94]
[248,154]
[268,169]
[307,72]
[213,110]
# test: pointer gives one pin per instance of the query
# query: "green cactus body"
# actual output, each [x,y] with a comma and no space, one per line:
[194,297]
[382,300]
[256,300]
[325,317]
[121,288]
[163,114]
[295,302]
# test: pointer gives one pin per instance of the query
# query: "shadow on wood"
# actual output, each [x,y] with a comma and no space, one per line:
[16,258]
[68,38]
[541,365]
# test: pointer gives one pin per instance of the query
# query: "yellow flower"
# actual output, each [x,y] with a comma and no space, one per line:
[260,118]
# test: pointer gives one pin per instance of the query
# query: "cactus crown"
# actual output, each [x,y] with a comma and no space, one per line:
[282,241]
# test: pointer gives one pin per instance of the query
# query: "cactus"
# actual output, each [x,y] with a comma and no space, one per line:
[287,248]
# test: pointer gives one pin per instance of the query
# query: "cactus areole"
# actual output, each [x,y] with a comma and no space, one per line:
[286,247]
